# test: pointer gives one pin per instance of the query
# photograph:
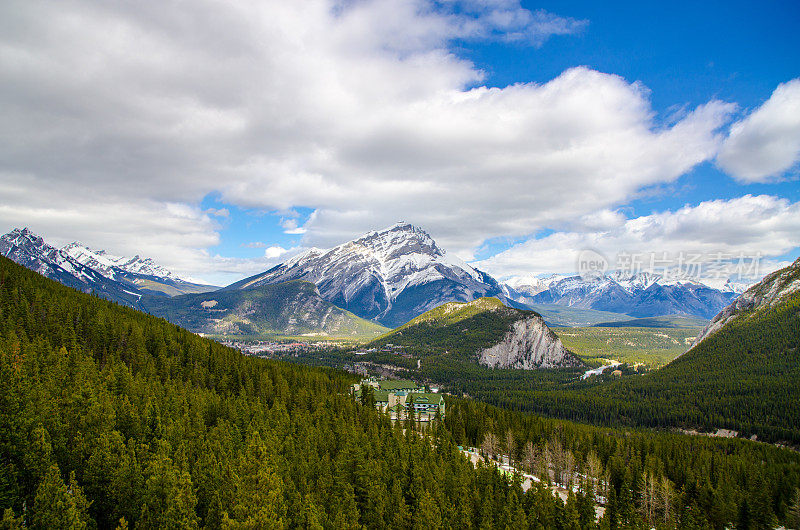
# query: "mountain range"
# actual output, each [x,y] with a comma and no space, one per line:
[740,374]
[773,290]
[389,276]
[638,295]
[122,280]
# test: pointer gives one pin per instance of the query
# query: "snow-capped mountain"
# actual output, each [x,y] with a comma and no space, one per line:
[391,275]
[123,280]
[29,250]
[640,295]
[530,285]
[108,264]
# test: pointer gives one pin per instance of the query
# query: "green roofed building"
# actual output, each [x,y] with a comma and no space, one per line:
[400,397]
[404,385]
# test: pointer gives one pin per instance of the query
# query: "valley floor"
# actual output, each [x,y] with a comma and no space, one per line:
[653,347]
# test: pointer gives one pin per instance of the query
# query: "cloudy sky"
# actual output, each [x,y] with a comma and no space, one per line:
[220,137]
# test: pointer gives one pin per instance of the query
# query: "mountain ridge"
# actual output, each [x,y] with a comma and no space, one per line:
[292,308]
[484,331]
[769,291]
[638,295]
[120,279]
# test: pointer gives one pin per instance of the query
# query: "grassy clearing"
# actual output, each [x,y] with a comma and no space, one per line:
[653,347]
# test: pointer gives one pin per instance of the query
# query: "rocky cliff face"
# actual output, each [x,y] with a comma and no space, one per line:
[529,345]
[769,291]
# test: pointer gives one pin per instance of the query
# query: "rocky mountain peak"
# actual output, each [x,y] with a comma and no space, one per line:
[108,264]
[20,236]
[398,240]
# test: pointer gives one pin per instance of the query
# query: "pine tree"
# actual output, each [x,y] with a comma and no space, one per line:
[427,516]
[259,494]
[168,497]
[9,522]
[793,513]
[56,505]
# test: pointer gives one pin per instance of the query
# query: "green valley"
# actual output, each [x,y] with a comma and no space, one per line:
[652,346]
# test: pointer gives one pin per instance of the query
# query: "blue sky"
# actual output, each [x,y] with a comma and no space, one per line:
[685,53]
[516,133]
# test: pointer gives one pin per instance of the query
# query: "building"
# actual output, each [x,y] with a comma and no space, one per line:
[402,399]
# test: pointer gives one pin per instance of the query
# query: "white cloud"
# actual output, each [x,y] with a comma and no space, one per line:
[275,251]
[218,212]
[762,225]
[290,227]
[766,144]
[115,114]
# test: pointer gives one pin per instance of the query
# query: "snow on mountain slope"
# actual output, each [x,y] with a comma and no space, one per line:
[123,280]
[108,264]
[390,275]
[642,295]
[29,250]
[531,285]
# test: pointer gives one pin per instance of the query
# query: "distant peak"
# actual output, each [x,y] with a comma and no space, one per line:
[75,244]
[22,231]
[26,233]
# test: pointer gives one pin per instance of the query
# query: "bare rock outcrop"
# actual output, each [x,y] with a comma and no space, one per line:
[529,345]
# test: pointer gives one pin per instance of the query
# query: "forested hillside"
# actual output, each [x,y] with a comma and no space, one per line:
[459,329]
[113,417]
[744,377]
[109,414]
[288,309]
[483,331]
[649,479]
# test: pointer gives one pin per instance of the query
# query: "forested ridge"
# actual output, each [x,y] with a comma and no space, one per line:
[744,377]
[110,417]
[456,331]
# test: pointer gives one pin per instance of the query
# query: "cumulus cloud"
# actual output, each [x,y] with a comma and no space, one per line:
[750,226]
[119,118]
[173,232]
[291,227]
[275,251]
[766,144]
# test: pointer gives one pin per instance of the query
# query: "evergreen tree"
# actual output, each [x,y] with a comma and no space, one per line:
[168,497]
[58,506]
